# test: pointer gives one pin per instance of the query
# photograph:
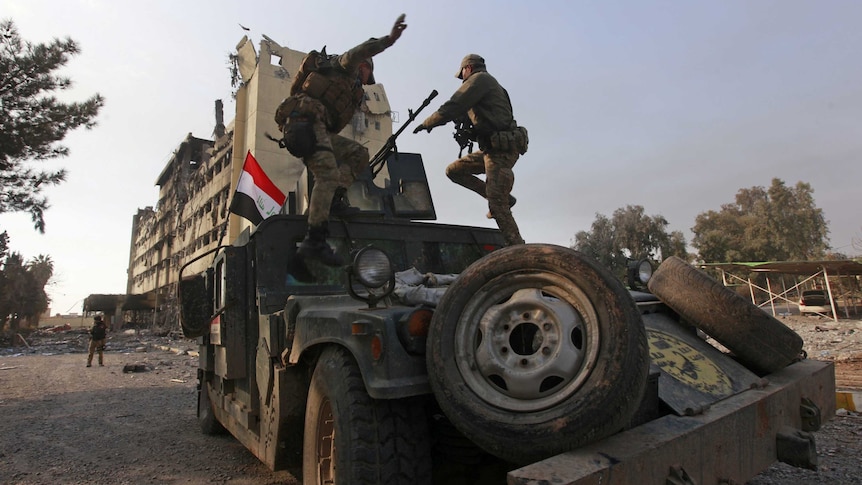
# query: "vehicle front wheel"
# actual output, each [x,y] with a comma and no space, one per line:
[351,438]
[536,349]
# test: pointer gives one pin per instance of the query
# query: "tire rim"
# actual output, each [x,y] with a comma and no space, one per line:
[325,444]
[527,341]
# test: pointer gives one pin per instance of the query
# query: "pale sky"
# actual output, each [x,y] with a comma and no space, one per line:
[671,105]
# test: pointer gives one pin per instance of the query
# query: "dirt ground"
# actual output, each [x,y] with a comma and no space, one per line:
[61,422]
[839,442]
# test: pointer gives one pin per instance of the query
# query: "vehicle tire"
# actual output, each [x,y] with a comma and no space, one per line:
[535,350]
[758,340]
[351,438]
[206,417]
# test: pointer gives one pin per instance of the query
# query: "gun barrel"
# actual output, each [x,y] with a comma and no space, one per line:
[414,113]
[389,146]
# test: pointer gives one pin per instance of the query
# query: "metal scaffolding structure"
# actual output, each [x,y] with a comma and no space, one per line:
[840,279]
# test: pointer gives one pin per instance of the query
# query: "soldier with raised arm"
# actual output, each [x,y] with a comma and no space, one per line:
[325,95]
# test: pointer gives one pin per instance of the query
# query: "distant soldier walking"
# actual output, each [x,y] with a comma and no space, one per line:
[501,141]
[97,340]
[325,95]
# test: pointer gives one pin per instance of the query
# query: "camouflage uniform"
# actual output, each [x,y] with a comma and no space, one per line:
[497,168]
[489,109]
[335,164]
[338,161]
[327,94]
[97,340]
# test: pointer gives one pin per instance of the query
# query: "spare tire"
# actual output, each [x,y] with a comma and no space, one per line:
[757,339]
[535,350]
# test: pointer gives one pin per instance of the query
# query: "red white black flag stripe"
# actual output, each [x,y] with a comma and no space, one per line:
[256,197]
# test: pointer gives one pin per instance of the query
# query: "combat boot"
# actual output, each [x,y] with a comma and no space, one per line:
[341,206]
[512,201]
[314,246]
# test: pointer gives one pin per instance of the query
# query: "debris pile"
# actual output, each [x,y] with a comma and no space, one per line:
[61,340]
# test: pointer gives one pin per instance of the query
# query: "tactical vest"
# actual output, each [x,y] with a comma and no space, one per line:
[98,332]
[322,79]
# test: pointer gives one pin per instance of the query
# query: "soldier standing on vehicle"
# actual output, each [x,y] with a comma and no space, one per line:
[97,340]
[501,141]
[325,94]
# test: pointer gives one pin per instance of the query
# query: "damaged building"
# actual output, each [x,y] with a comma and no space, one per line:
[191,218]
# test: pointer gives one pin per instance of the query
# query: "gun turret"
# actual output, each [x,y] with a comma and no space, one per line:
[382,155]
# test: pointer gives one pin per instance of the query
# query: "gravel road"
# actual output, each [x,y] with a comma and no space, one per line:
[65,423]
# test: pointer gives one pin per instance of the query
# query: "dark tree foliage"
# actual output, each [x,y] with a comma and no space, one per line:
[33,121]
[22,287]
[4,245]
[4,251]
[776,224]
[629,234]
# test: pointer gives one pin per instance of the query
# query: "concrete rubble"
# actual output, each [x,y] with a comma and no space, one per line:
[123,346]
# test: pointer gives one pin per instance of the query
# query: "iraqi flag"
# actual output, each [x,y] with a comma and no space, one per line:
[256,197]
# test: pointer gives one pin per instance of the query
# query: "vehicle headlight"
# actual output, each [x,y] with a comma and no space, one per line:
[639,273]
[372,267]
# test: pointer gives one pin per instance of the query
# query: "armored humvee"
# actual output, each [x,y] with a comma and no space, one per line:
[438,356]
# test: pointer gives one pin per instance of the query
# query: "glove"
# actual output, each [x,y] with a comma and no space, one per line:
[420,128]
[397,28]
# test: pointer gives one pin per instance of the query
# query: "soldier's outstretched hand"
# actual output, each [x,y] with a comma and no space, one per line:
[420,128]
[397,28]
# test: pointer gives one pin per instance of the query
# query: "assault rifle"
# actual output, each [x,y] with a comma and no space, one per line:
[464,135]
[382,155]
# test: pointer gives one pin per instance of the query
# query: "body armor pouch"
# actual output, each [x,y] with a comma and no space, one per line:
[288,108]
[521,139]
[312,62]
[337,94]
[299,137]
[322,79]
[294,117]
[509,141]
